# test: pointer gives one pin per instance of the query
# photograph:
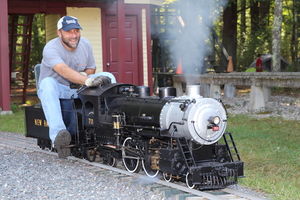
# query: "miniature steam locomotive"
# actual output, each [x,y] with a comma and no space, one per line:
[177,136]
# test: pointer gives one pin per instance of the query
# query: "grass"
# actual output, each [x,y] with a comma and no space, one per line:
[13,123]
[269,147]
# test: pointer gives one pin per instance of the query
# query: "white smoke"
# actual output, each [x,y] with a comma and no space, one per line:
[195,21]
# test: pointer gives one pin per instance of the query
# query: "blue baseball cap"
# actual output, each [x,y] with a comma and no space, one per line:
[67,23]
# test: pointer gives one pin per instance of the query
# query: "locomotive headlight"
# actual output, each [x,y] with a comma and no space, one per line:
[214,120]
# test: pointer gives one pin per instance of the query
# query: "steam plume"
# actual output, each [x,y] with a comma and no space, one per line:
[195,20]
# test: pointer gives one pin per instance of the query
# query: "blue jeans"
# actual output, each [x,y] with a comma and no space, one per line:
[49,92]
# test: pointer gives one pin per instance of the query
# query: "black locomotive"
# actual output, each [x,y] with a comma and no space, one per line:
[177,136]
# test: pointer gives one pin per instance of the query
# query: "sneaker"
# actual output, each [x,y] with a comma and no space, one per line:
[62,139]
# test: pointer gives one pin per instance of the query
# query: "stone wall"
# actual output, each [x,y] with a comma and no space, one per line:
[260,83]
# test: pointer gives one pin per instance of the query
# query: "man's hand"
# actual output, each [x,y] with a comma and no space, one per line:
[97,81]
[83,73]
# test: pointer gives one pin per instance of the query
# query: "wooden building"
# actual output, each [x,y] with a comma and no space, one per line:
[119,31]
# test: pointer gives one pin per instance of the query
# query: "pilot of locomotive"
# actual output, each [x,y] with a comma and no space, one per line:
[67,59]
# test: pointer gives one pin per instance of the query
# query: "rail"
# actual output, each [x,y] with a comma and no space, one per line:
[260,83]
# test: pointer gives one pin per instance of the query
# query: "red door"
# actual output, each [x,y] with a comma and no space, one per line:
[131,58]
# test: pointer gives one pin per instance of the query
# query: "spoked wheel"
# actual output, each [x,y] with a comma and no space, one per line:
[110,160]
[168,177]
[147,167]
[130,160]
[188,181]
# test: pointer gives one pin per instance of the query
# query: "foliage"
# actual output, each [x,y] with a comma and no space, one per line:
[38,39]
[251,69]
[37,42]
[261,41]
[258,39]
[15,107]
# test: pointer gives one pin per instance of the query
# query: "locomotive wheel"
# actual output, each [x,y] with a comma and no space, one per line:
[168,177]
[109,160]
[90,155]
[188,181]
[130,161]
[147,169]
[76,152]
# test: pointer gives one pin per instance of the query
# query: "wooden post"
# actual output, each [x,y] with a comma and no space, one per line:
[4,58]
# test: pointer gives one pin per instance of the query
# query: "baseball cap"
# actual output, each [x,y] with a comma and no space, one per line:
[67,23]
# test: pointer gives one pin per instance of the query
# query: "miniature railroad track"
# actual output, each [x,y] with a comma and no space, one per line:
[171,190]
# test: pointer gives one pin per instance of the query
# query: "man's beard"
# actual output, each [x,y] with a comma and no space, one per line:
[70,45]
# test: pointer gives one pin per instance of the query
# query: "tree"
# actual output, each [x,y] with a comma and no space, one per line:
[294,39]
[229,31]
[38,40]
[254,11]
[276,39]
[243,22]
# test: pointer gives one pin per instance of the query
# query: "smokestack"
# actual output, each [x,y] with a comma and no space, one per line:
[193,90]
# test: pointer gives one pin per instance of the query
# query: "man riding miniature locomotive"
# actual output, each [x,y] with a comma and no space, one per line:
[177,136]
[67,59]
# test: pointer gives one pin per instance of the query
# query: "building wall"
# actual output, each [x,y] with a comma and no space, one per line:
[50,26]
[90,21]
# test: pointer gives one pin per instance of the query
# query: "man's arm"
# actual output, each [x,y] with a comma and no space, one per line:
[89,71]
[70,74]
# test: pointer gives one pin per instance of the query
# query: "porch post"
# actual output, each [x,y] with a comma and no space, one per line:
[4,59]
[121,39]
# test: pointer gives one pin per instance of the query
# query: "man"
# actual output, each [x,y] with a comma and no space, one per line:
[66,59]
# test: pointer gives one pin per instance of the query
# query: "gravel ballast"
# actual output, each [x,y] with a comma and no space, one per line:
[33,175]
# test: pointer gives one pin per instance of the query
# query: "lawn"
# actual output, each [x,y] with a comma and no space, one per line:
[13,123]
[269,147]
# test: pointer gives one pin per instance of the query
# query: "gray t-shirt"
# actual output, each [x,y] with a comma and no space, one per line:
[55,53]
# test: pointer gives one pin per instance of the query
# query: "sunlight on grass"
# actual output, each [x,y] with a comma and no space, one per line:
[13,123]
[270,149]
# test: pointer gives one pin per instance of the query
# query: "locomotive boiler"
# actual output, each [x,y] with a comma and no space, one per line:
[179,137]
